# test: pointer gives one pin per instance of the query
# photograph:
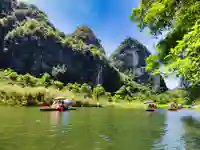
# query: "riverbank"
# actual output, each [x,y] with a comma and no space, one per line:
[139,105]
[35,96]
[27,90]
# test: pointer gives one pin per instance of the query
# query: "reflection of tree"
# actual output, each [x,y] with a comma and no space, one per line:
[192,133]
[130,129]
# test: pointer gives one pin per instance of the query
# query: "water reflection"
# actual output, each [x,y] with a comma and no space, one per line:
[57,118]
[192,132]
[181,131]
[173,132]
[65,118]
[54,117]
[104,128]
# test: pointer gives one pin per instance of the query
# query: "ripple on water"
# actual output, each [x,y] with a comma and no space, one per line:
[105,138]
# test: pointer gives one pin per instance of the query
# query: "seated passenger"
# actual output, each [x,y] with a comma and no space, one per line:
[152,106]
[173,105]
[62,105]
[58,106]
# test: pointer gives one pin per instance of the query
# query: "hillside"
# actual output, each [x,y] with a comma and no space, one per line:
[33,47]
[130,58]
[31,44]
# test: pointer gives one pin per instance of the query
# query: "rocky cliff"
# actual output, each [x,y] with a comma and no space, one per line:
[31,44]
[130,57]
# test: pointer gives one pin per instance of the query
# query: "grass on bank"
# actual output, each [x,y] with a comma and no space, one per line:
[18,89]
[30,96]
[16,95]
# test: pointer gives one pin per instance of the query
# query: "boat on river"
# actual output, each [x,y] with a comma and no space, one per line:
[173,106]
[67,104]
[150,109]
[49,109]
[173,109]
[54,109]
[151,106]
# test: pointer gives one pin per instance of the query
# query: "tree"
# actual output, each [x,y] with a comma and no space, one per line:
[179,49]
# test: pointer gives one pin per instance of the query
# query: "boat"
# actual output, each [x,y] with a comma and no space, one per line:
[173,109]
[148,102]
[48,109]
[150,109]
[54,109]
[68,103]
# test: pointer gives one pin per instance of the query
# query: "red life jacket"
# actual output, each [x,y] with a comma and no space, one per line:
[58,106]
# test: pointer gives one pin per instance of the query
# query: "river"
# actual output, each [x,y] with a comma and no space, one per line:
[98,129]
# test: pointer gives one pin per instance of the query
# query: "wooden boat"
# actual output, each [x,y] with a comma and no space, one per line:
[67,104]
[173,109]
[54,109]
[150,109]
[48,109]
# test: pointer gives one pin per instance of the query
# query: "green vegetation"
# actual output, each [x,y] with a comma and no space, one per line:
[31,44]
[119,61]
[25,89]
[122,59]
[179,48]
[47,63]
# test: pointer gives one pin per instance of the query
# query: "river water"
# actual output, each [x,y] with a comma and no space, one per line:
[98,129]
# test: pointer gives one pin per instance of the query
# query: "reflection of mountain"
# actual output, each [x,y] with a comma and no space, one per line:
[115,129]
[192,133]
[172,138]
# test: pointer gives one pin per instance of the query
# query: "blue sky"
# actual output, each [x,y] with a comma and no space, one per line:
[107,18]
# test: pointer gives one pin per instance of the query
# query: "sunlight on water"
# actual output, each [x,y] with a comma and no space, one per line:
[102,129]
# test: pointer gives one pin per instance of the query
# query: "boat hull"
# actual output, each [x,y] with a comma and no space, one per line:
[54,109]
[150,109]
[171,109]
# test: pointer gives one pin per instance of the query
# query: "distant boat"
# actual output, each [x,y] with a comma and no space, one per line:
[148,102]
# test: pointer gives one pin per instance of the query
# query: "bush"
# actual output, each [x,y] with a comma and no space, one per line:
[58,84]
[86,89]
[98,91]
[13,76]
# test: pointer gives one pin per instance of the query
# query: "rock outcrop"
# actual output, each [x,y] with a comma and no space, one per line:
[31,44]
[130,58]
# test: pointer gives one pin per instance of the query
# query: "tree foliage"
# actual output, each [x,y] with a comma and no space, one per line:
[179,48]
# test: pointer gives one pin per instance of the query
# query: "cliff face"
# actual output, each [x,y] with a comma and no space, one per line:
[130,58]
[31,44]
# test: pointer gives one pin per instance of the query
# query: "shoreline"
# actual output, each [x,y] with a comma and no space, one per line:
[124,105]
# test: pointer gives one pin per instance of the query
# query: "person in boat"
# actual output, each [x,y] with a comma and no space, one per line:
[173,105]
[58,106]
[62,107]
[54,104]
[152,106]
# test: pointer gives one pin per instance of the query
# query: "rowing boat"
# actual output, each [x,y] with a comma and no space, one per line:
[172,109]
[47,108]
[150,109]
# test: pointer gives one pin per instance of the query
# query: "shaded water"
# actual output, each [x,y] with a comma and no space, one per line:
[98,129]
